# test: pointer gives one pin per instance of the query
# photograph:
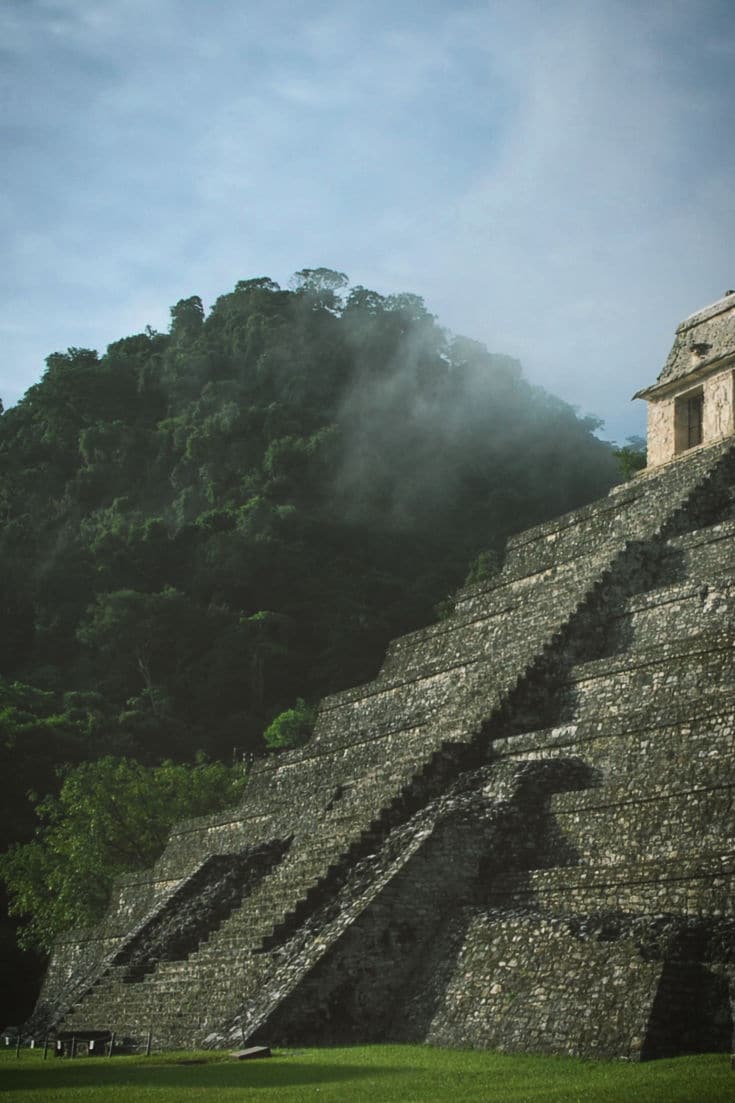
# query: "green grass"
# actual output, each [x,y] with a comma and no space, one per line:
[378,1074]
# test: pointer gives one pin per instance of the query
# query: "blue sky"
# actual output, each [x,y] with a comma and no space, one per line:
[555,178]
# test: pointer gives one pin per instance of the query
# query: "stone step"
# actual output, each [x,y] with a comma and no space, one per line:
[707,552]
[673,820]
[676,612]
[480,626]
[700,775]
[690,674]
[634,744]
[705,886]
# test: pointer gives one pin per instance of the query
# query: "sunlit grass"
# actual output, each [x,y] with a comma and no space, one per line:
[373,1074]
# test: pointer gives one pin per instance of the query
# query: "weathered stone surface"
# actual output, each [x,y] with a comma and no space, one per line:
[703,338]
[520,835]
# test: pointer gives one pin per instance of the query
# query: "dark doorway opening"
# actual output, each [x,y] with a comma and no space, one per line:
[692,1013]
[689,420]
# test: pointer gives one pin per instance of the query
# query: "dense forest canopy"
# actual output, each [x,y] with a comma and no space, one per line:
[201,528]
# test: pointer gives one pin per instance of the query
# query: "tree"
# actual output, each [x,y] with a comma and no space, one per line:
[291,728]
[110,816]
[39,732]
[321,286]
[631,456]
[150,640]
[187,317]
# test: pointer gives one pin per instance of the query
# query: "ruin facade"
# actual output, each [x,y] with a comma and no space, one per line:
[692,401]
[518,836]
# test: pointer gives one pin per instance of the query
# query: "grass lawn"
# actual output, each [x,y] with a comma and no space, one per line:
[374,1074]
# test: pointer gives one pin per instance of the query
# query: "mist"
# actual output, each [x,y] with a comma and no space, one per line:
[442,425]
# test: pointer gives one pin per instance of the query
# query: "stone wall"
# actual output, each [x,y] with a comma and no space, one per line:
[719,406]
[660,434]
[718,420]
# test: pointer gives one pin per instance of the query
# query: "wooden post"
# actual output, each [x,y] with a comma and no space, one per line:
[112,1043]
[148,1043]
[73,1047]
[17,1046]
[45,1047]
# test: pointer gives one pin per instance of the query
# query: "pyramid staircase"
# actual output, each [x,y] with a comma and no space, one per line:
[621,930]
[656,720]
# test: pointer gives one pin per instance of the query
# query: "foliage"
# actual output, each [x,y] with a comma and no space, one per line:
[291,728]
[631,456]
[39,731]
[110,816]
[484,567]
[487,564]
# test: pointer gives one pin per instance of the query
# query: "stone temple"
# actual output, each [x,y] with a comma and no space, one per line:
[519,836]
